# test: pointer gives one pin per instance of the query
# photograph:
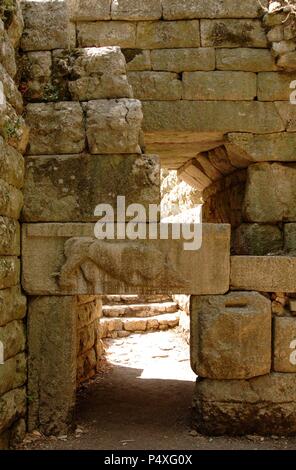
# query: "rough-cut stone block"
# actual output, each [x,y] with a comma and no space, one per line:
[260,148]
[88,313]
[183,60]
[9,237]
[52,363]
[247,60]
[233,33]
[125,266]
[287,61]
[155,85]
[86,338]
[284,359]
[12,305]
[15,24]
[7,52]
[182,9]
[290,237]
[211,116]
[219,85]
[87,364]
[12,407]
[99,73]
[113,126]
[137,59]
[13,96]
[13,373]
[11,200]
[109,33]
[11,165]
[261,405]
[287,112]
[167,34]
[132,10]
[14,129]
[90,10]
[55,128]
[257,239]
[46,25]
[55,186]
[230,335]
[35,76]
[270,195]
[263,273]
[9,271]
[274,86]
[13,338]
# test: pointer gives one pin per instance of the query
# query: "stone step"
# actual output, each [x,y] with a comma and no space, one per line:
[135,299]
[139,310]
[119,327]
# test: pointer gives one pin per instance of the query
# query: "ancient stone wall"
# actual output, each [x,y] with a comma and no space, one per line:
[13,140]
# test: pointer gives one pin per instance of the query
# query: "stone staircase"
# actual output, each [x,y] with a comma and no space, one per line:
[126,314]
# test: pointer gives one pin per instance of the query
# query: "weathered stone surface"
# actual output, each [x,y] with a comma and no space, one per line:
[52,363]
[210,116]
[11,200]
[230,335]
[132,10]
[257,240]
[16,24]
[155,85]
[244,59]
[89,312]
[13,338]
[232,33]
[287,113]
[17,432]
[11,165]
[284,336]
[167,34]
[13,373]
[140,266]
[290,237]
[260,148]
[274,86]
[55,186]
[11,92]
[55,128]
[263,273]
[12,407]
[287,61]
[14,129]
[9,237]
[109,33]
[137,59]
[219,85]
[270,193]
[86,338]
[35,75]
[238,407]
[46,25]
[7,55]
[12,305]
[113,126]
[183,60]
[181,9]
[86,365]
[100,73]
[90,10]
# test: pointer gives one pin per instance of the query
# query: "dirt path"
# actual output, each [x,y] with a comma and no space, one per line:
[142,401]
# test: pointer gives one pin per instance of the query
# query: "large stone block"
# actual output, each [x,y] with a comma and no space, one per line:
[109,33]
[52,363]
[9,271]
[13,373]
[260,148]
[270,195]
[89,10]
[262,405]
[155,85]
[7,52]
[113,126]
[88,313]
[86,338]
[12,407]
[183,60]
[275,86]
[263,273]
[12,305]
[9,237]
[181,9]
[46,25]
[137,59]
[35,76]
[219,85]
[123,266]
[12,94]
[11,165]
[283,349]
[232,33]
[13,338]
[55,186]
[257,239]
[167,34]
[211,116]
[245,59]
[133,10]
[290,237]
[11,200]
[55,128]
[230,335]
[287,112]
[14,129]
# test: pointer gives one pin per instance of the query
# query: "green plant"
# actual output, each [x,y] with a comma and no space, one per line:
[51,92]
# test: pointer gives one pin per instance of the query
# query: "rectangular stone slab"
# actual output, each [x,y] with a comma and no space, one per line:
[93,266]
[263,273]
